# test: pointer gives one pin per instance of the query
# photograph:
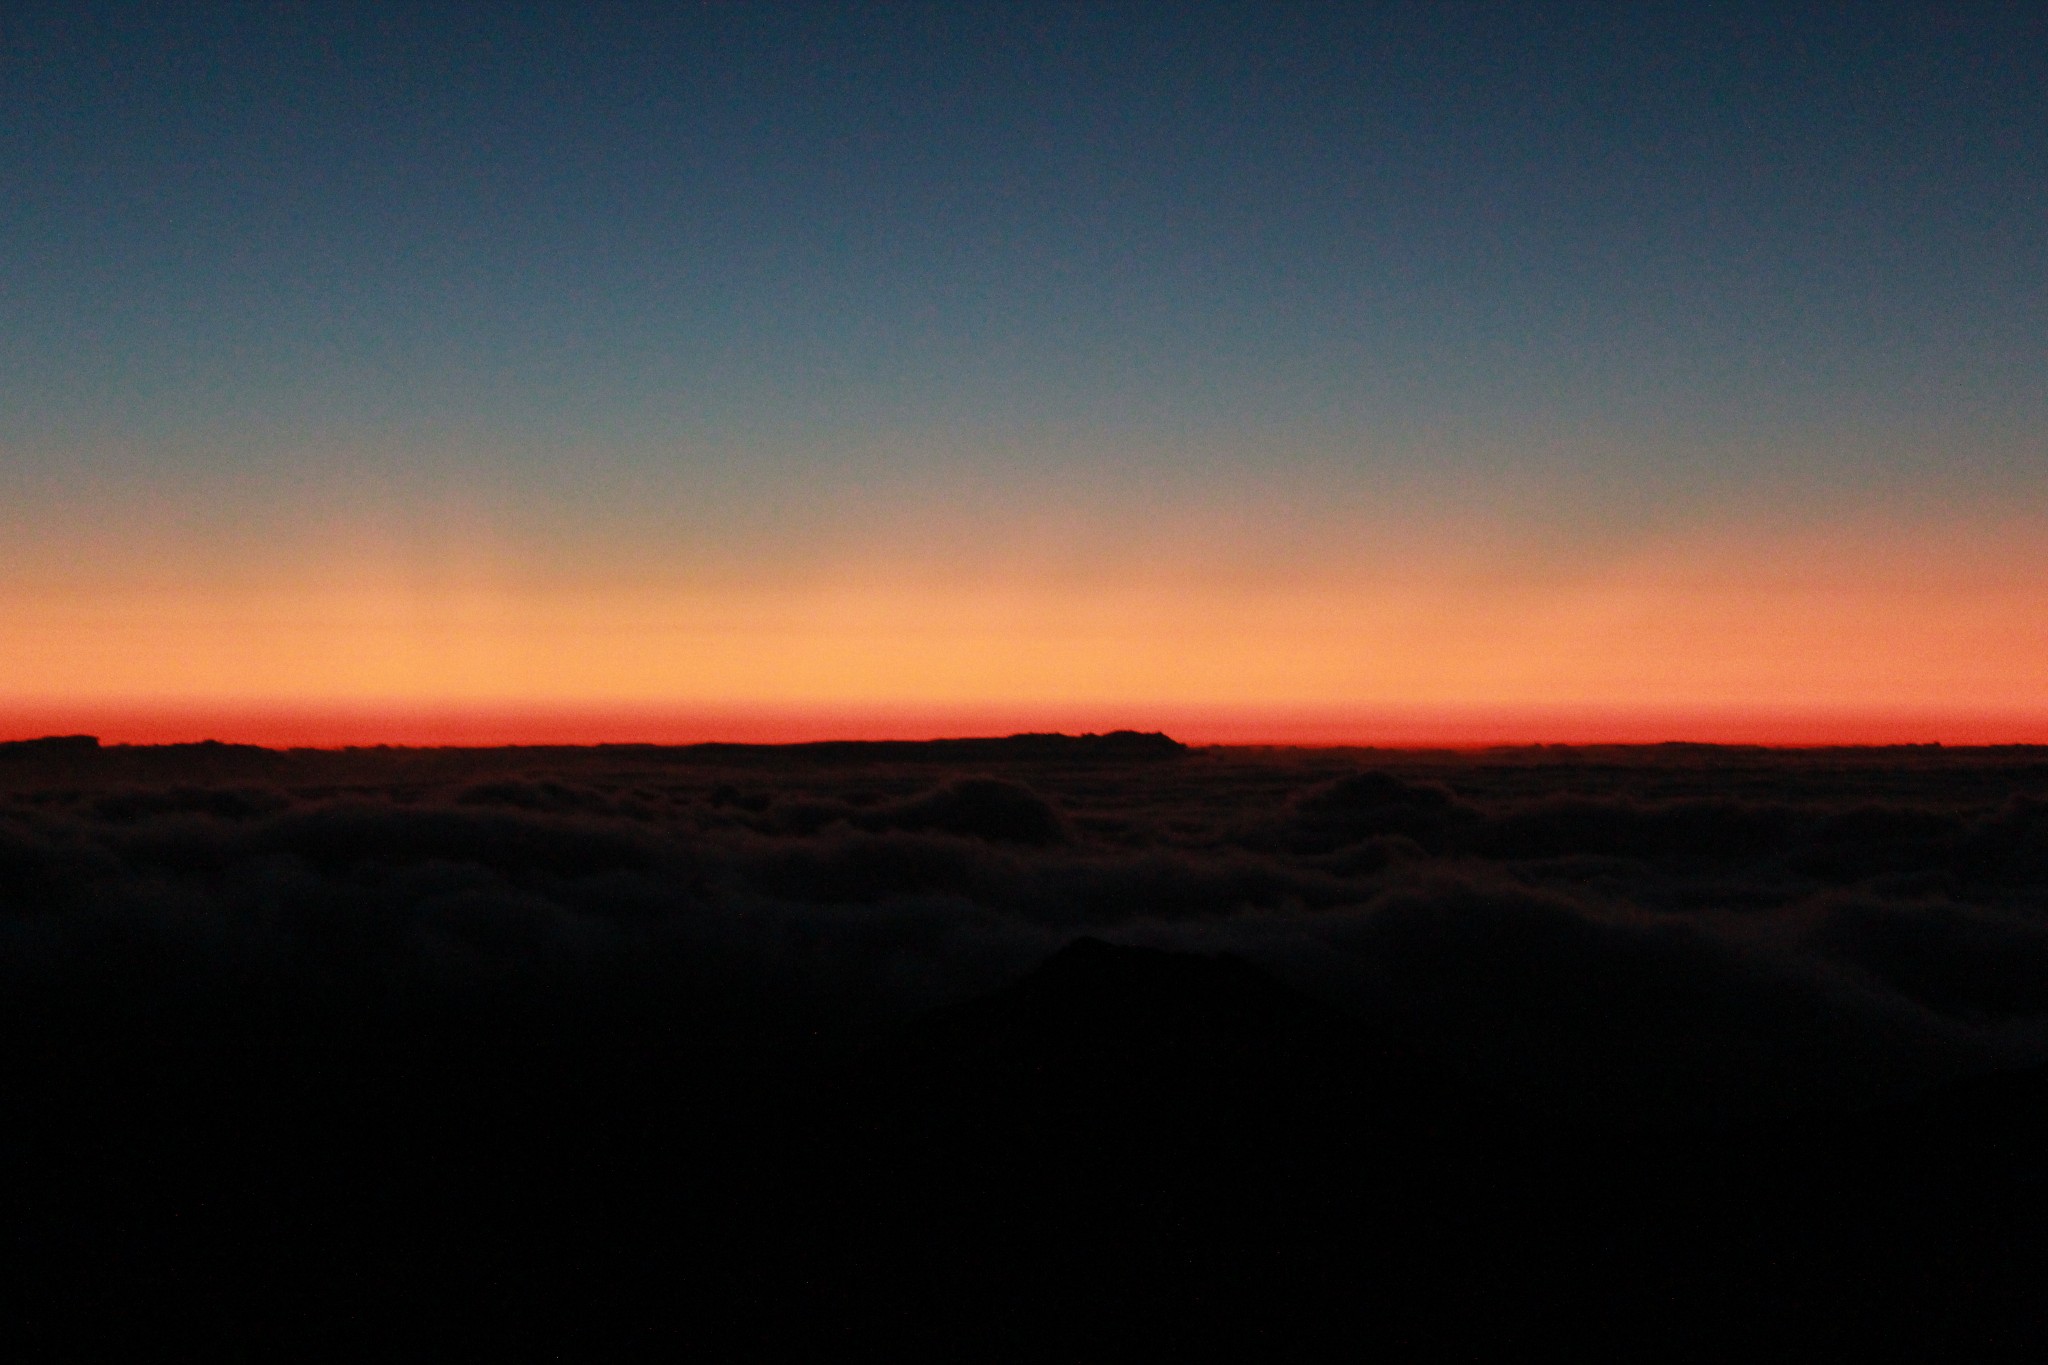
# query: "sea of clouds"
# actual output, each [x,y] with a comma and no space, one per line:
[1665,929]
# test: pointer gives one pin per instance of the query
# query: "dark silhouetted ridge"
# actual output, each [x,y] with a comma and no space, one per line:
[1118,746]
[50,757]
[50,744]
[49,747]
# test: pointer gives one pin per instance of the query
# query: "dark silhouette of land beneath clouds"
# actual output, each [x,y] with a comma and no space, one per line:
[1044,1047]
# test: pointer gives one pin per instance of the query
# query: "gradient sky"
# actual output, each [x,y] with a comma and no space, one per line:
[1036,365]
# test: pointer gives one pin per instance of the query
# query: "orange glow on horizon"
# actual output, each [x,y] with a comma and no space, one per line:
[280,727]
[1871,634]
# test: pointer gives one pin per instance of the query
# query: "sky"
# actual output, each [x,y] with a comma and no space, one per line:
[1395,373]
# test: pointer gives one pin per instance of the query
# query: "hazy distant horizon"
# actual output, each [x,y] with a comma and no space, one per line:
[1409,728]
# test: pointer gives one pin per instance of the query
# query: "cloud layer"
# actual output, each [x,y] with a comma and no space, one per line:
[1644,928]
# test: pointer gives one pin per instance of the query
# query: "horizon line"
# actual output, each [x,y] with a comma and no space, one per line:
[99,745]
[308,726]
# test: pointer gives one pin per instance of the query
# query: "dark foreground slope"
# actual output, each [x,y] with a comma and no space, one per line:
[1126,1153]
[1047,1054]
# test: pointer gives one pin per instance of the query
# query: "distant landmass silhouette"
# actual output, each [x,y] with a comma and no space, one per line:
[217,758]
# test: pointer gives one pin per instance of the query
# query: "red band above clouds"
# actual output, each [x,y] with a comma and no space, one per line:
[325,727]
